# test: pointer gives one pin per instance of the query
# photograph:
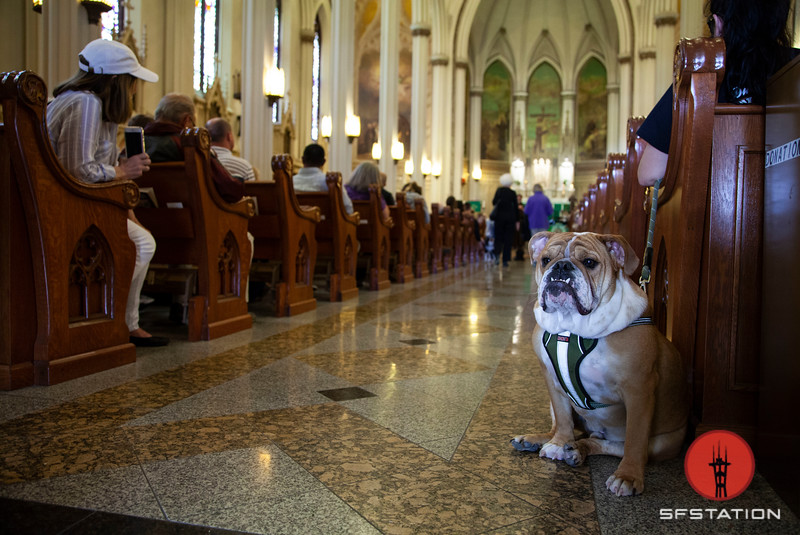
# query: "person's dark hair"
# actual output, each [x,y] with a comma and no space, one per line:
[113,90]
[413,186]
[141,119]
[313,155]
[451,201]
[757,42]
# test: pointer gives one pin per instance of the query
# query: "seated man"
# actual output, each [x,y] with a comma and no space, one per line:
[311,178]
[162,142]
[222,145]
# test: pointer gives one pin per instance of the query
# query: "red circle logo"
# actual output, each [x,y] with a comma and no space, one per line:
[719,465]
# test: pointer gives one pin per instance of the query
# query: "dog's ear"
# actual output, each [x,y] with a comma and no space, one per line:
[622,252]
[536,245]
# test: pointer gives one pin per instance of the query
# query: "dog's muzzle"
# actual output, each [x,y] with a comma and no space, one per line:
[559,287]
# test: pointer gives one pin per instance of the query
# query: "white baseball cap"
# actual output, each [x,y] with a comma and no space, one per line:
[102,56]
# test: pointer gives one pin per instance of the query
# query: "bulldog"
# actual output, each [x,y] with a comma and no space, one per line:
[607,368]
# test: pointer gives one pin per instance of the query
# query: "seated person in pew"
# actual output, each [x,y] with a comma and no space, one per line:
[163,143]
[358,186]
[757,44]
[310,177]
[387,195]
[82,124]
[413,193]
[222,146]
[141,120]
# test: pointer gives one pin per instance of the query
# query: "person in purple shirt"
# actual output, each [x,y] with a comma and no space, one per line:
[539,210]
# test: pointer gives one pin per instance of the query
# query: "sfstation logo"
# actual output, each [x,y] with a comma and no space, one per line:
[719,466]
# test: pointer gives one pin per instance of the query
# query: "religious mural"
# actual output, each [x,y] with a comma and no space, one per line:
[592,111]
[544,112]
[495,106]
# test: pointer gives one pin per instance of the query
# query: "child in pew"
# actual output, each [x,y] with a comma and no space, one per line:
[757,44]
[82,124]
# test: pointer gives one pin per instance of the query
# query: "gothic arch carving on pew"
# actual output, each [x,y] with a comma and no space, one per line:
[349,257]
[91,275]
[229,266]
[302,263]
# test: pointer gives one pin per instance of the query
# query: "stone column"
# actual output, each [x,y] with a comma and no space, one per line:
[302,94]
[625,97]
[613,129]
[666,40]
[475,111]
[66,32]
[438,120]
[256,141]
[387,105]
[647,93]
[342,85]
[568,126]
[519,132]
[421,35]
[459,126]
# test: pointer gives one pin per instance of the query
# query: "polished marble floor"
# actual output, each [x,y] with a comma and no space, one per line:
[390,414]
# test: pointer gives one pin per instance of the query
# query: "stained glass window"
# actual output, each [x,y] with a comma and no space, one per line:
[112,21]
[276,53]
[316,55]
[206,39]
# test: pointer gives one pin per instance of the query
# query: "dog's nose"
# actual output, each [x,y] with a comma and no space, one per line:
[562,269]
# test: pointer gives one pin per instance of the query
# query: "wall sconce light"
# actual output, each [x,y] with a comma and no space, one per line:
[425,167]
[274,84]
[436,169]
[325,126]
[352,127]
[409,167]
[95,8]
[477,174]
[376,151]
[37,6]
[398,151]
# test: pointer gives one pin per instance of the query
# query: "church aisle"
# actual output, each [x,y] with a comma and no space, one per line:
[391,414]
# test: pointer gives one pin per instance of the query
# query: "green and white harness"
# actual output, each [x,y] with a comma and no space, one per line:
[567,351]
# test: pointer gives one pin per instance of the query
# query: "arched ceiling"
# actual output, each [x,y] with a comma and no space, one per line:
[574,30]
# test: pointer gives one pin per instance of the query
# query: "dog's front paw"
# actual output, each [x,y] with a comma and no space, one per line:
[553,450]
[574,454]
[624,485]
[526,443]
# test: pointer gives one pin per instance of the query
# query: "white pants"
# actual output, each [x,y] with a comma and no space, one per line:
[145,249]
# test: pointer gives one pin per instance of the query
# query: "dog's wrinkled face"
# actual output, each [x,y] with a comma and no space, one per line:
[578,272]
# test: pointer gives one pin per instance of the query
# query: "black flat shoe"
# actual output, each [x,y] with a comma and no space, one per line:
[151,341]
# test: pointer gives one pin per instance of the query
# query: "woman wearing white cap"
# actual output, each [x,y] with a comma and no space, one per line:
[82,122]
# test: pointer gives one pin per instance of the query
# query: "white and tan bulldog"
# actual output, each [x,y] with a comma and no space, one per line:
[617,372]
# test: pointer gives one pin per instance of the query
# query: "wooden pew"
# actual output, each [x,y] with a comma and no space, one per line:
[66,261]
[437,240]
[602,222]
[630,216]
[706,288]
[284,233]
[458,238]
[194,226]
[336,237]
[422,242]
[591,209]
[402,241]
[373,235]
[448,238]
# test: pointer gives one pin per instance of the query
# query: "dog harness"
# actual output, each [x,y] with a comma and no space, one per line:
[567,351]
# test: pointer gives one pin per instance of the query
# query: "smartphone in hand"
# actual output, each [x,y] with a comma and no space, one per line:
[134,140]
